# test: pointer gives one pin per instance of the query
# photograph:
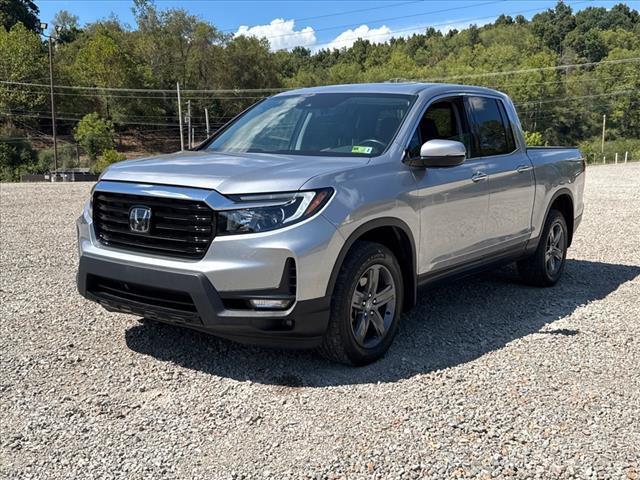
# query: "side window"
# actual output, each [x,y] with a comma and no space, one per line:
[439,122]
[494,138]
[511,142]
[442,120]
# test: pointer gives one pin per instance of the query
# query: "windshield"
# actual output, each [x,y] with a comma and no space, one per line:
[331,124]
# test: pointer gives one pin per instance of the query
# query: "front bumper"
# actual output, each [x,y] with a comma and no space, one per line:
[302,326]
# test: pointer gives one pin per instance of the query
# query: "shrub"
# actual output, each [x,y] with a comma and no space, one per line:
[592,149]
[67,157]
[16,156]
[533,139]
[107,158]
[94,134]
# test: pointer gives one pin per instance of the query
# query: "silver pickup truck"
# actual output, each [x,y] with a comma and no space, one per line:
[311,219]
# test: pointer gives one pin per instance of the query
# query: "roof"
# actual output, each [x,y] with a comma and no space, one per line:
[407,88]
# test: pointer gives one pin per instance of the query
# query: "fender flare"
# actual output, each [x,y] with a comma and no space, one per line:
[532,245]
[410,290]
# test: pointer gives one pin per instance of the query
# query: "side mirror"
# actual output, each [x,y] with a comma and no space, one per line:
[439,153]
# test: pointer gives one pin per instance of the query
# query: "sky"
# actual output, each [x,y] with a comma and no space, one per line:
[319,24]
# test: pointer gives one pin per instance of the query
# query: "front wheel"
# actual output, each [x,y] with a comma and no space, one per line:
[544,268]
[365,307]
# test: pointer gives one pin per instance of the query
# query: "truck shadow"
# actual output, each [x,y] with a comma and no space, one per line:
[452,324]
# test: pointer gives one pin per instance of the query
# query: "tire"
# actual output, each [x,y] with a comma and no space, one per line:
[357,335]
[544,268]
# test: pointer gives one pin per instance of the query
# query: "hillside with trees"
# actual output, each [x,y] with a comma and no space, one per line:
[563,69]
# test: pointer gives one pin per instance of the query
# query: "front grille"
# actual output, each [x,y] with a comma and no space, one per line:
[179,228]
[155,297]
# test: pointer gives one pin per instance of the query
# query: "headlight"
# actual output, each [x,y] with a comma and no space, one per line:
[266,212]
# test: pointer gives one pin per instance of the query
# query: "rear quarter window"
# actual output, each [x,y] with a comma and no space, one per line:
[493,131]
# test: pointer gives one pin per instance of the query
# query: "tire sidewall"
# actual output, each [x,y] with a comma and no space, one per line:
[356,353]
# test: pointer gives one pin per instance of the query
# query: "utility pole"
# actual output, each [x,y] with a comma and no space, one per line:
[43,27]
[180,117]
[206,119]
[604,126]
[189,122]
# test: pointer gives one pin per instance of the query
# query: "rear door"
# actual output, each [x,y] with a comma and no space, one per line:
[511,182]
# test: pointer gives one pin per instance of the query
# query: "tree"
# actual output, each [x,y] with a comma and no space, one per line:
[22,59]
[25,12]
[589,46]
[66,27]
[94,134]
[553,25]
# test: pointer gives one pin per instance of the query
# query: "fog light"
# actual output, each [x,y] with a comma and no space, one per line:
[270,303]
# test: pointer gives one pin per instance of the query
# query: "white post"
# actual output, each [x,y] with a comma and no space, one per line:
[193,136]
[626,154]
[189,122]
[180,117]
[604,125]
[604,159]
[206,119]
[616,158]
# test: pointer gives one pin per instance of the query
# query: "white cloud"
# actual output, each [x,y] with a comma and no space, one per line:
[384,33]
[281,34]
[348,37]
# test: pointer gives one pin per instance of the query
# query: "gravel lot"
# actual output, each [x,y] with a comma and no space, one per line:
[487,378]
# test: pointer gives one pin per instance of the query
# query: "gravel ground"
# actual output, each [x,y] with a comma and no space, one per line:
[487,378]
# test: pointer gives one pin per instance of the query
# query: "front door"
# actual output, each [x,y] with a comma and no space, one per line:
[454,200]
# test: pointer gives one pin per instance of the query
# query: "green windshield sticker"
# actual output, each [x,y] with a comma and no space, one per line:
[359,149]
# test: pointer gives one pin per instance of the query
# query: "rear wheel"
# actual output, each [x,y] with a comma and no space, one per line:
[365,307]
[544,268]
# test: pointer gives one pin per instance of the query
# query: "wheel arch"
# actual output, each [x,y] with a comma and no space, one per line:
[395,235]
[562,201]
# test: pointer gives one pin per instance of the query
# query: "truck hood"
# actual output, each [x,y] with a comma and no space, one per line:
[229,173]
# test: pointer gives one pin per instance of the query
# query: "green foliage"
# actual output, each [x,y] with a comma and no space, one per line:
[25,12]
[66,27]
[533,139]
[67,158]
[166,46]
[107,158]
[94,134]
[592,149]
[17,157]
[22,59]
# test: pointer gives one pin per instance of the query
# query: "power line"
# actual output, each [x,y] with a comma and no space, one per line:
[346,12]
[466,20]
[168,97]
[387,19]
[537,69]
[552,100]
[560,80]
[476,75]
[151,90]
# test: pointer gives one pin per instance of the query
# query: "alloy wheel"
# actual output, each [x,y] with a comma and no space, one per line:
[554,251]
[373,306]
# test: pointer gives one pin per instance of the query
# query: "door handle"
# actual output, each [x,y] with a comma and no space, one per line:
[523,168]
[479,177]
